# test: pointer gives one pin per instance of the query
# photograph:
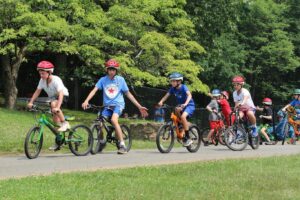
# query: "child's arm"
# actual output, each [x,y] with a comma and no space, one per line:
[89,97]
[189,97]
[142,109]
[259,108]
[33,98]
[285,107]
[161,102]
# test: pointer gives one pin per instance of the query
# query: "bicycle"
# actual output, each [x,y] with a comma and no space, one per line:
[102,129]
[291,120]
[217,136]
[166,134]
[79,138]
[239,135]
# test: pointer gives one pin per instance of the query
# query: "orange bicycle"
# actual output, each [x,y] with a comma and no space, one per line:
[217,136]
[293,120]
[166,134]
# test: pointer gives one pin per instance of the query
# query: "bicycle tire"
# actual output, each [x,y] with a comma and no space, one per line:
[236,138]
[28,141]
[80,136]
[196,137]
[221,137]
[95,129]
[285,132]
[254,144]
[204,134]
[165,133]
[126,137]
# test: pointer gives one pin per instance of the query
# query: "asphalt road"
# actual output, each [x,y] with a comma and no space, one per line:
[12,166]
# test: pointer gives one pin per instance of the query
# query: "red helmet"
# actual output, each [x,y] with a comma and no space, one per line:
[238,79]
[111,63]
[267,101]
[226,94]
[45,66]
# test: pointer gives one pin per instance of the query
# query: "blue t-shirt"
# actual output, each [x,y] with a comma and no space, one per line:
[296,104]
[181,95]
[113,90]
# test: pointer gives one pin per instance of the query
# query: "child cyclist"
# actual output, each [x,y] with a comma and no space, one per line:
[243,101]
[57,93]
[114,86]
[214,116]
[266,118]
[225,107]
[186,105]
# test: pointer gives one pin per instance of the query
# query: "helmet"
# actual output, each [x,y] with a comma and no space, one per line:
[176,76]
[226,94]
[267,101]
[45,66]
[216,92]
[238,79]
[296,91]
[111,63]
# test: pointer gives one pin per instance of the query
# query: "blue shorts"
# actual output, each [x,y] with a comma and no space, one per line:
[189,110]
[110,110]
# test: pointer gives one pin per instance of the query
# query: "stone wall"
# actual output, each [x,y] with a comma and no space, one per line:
[144,131]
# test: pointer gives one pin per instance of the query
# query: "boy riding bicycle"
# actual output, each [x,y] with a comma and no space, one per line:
[214,115]
[114,86]
[186,105]
[266,118]
[57,93]
[243,101]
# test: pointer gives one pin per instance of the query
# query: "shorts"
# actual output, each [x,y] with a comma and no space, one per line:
[64,101]
[215,124]
[110,110]
[246,109]
[189,110]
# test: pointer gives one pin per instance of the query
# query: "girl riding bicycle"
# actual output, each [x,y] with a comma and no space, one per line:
[114,86]
[56,91]
[186,105]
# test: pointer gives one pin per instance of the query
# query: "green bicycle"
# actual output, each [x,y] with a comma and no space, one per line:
[79,138]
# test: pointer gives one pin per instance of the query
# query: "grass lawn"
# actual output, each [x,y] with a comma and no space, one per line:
[15,125]
[264,178]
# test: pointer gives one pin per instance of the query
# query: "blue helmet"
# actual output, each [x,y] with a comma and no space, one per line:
[176,76]
[216,92]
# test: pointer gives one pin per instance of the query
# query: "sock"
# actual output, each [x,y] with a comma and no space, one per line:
[122,143]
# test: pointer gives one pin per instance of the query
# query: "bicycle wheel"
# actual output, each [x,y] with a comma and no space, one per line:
[126,137]
[165,138]
[254,141]
[221,137]
[80,140]
[96,131]
[285,132]
[33,142]
[236,138]
[196,137]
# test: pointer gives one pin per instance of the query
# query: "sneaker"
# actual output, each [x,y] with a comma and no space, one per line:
[55,147]
[187,142]
[122,150]
[65,126]
[269,143]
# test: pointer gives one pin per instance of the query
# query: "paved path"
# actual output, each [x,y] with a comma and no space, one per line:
[20,166]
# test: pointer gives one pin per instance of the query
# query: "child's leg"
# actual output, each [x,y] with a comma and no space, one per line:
[263,131]
[58,115]
[184,121]
[115,123]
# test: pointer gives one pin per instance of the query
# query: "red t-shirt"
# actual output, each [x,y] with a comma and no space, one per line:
[226,109]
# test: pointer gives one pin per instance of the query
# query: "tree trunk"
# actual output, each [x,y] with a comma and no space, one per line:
[10,75]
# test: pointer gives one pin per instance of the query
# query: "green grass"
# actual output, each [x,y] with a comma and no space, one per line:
[264,178]
[15,125]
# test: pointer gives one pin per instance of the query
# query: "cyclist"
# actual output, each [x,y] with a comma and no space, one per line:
[243,100]
[266,118]
[295,120]
[114,86]
[186,105]
[225,107]
[57,93]
[214,116]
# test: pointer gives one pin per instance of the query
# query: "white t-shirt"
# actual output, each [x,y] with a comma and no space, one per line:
[56,85]
[238,98]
